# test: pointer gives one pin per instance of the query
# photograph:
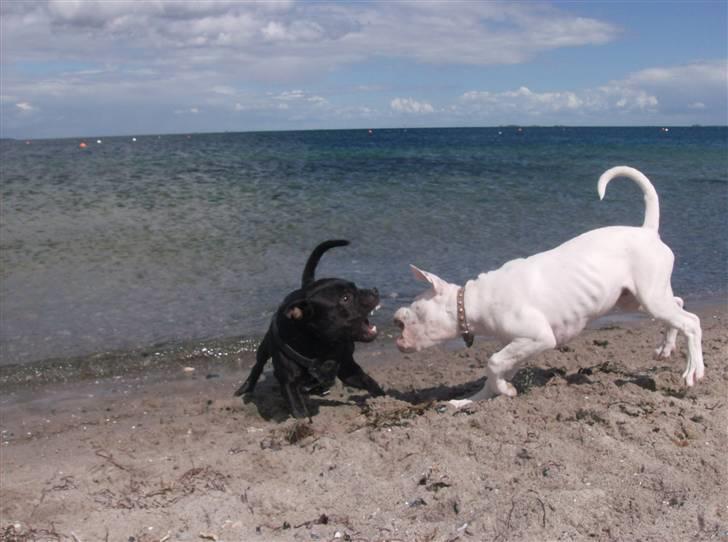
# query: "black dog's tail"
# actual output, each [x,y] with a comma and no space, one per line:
[310,270]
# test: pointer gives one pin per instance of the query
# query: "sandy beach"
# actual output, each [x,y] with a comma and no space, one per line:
[602,443]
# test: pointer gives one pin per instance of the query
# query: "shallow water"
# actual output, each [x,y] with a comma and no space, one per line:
[125,244]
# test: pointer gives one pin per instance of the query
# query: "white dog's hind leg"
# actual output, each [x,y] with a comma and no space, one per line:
[667,310]
[668,343]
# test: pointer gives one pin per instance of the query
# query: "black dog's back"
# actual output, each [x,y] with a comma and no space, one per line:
[264,353]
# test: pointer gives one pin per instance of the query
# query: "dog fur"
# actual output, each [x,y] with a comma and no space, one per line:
[311,337]
[540,302]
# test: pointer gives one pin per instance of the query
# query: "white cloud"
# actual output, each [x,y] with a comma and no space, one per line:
[650,92]
[317,100]
[260,38]
[408,105]
[300,96]
[289,95]
[224,90]
[712,73]
[26,107]
[525,100]
[161,56]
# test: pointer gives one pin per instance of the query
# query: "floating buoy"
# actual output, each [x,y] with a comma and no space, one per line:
[82,145]
[133,138]
[27,142]
[370,131]
[98,141]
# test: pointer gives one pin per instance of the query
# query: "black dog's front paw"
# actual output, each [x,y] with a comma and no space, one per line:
[359,379]
[247,387]
[376,390]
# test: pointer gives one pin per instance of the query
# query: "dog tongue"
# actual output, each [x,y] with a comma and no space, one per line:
[370,328]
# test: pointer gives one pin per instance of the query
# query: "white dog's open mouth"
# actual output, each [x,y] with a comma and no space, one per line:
[401,342]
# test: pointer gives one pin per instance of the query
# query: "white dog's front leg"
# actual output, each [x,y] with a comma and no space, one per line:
[504,362]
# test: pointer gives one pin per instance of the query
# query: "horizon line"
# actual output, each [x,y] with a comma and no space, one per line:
[372,129]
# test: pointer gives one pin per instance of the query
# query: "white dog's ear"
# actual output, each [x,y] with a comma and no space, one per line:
[436,282]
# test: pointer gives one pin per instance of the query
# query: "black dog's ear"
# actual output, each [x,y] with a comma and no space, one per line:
[298,310]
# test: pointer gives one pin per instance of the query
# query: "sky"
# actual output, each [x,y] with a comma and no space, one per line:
[102,68]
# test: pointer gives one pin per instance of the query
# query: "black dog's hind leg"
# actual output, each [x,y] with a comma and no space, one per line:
[353,375]
[262,355]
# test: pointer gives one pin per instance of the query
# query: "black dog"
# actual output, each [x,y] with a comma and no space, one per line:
[311,337]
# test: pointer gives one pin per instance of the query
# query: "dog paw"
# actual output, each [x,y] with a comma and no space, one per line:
[692,375]
[460,403]
[663,352]
[509,390]
[503,387]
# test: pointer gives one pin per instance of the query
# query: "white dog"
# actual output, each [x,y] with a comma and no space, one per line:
[540,302]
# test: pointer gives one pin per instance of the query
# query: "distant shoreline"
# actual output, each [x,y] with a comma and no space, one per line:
[364,128]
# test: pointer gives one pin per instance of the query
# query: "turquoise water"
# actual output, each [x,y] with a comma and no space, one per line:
[127,244]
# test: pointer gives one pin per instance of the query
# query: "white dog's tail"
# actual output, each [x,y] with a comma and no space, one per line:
[652,204]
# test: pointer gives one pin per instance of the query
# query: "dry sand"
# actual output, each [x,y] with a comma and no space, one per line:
[602,443]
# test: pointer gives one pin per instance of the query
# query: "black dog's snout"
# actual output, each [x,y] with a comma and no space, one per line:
[370,296]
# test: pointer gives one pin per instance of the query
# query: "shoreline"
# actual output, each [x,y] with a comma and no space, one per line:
[227,353]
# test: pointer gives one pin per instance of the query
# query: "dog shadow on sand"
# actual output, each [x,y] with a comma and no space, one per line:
[524,380]
[271,406]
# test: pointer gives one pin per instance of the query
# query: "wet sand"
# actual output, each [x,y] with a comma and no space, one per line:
[602,443]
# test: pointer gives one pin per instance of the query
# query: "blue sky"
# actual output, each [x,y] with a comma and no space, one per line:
[102,68]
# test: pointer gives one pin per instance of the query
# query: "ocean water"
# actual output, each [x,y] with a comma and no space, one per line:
[128,244]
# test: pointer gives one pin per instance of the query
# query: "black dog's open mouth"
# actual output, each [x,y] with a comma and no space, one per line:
[368,331]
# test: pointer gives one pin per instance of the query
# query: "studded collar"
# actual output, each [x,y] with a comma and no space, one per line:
[465,331]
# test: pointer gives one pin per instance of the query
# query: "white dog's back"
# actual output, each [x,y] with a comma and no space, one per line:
[579,280]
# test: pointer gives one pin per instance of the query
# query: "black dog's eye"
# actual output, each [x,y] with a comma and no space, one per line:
[346,298]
